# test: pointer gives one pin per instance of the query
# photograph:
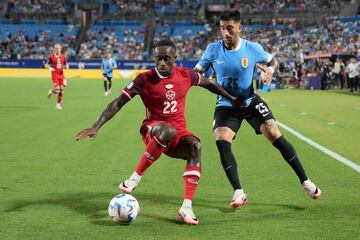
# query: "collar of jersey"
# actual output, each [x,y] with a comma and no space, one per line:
[161,76]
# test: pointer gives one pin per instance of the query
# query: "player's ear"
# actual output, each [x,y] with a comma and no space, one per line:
[240,27]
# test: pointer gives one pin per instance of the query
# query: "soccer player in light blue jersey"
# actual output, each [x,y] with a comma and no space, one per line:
[108,65]
[234,61]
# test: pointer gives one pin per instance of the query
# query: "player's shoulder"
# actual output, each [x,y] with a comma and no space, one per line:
[251,44]
[183,71]
[149,75]
[215,46]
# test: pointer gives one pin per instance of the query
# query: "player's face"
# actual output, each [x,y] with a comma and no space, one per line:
[57,49]
[108,55]
[230,31]
[164,60]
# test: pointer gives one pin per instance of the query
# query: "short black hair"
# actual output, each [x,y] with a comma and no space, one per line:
[166,42]
[230,14]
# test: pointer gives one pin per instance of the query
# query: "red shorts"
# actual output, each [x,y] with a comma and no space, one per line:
[58,79]
[145,130]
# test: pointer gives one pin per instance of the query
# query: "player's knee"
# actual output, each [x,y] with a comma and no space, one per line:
[164,132]
[224,133]
[57,88]
[271,129]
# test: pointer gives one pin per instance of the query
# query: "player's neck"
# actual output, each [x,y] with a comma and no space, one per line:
[234,46]
[164,76]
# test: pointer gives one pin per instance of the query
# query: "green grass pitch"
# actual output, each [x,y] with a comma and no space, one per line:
[52,187]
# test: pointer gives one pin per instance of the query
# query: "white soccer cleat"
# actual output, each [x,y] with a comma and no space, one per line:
[313,191]
[187,215]
[128,186]
[239,199]
[106,94]
[58,106]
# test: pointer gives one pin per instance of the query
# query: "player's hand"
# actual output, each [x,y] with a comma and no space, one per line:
[51,69]
[268,74]
[240,102]
[88,132]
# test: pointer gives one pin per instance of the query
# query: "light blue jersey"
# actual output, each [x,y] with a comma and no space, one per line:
[235,68]
[107,66]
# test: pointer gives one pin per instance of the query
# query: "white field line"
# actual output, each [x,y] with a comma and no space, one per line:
[332,154]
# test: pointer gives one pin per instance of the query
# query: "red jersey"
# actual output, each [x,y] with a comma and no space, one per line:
[164,97]
[57,63]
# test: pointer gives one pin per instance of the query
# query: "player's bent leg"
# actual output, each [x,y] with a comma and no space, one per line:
[224,137]
[109,85]
[161,135]
[272,133]
[105,86]
[189,148]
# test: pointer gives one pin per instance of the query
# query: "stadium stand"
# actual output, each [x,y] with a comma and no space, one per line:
[29,29]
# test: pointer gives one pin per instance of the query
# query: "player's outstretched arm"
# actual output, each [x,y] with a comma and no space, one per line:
[214,87]
[107,114]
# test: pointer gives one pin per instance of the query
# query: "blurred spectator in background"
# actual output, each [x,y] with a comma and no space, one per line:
[353,71]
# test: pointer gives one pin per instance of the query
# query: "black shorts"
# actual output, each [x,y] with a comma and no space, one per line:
[255,114]
[107,77]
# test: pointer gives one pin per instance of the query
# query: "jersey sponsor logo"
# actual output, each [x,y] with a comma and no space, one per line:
[219,61]
[169,86]
[130,85]
[170,95]
[244,62]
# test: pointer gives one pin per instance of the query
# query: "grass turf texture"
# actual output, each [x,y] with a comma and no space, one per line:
[52,187]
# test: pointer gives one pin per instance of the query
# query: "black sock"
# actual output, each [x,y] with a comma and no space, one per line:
[109,85]
[229,163]
[105,86]
[289,154]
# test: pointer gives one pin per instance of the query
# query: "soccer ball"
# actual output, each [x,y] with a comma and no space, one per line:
[123,208]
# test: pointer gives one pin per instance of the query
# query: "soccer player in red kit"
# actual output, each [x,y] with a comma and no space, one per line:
[163,91]
[56,63]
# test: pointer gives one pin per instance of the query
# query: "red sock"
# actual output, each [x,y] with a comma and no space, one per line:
[152,152]
[191,179]
[59,98]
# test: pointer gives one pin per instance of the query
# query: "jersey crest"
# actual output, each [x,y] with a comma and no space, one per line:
[170,95]
[244,62]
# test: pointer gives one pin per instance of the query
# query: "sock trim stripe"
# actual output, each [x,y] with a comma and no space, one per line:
[193,173]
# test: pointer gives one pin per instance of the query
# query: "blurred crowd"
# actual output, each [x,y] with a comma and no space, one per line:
[106,40]
[261,6]
[27,45]
[37,6]
[301,49]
